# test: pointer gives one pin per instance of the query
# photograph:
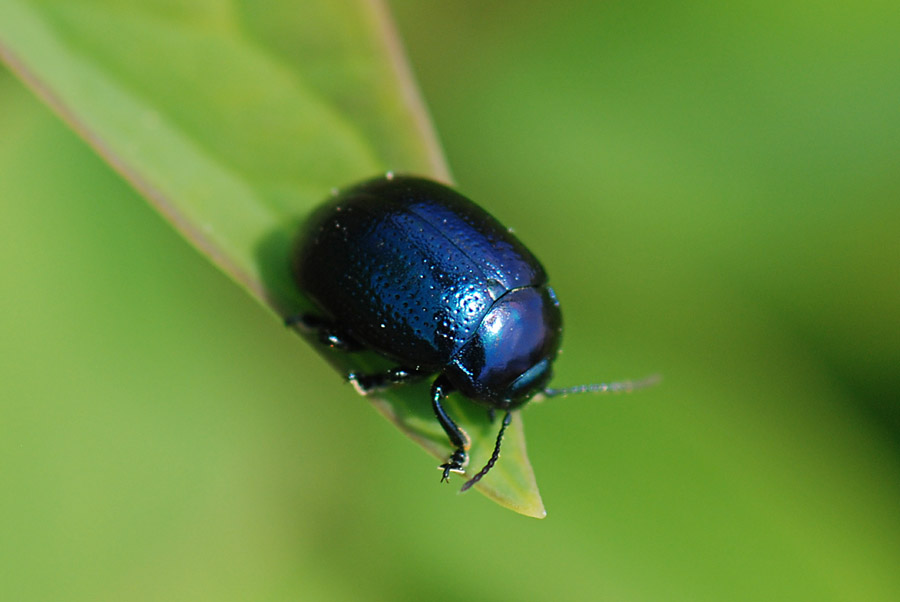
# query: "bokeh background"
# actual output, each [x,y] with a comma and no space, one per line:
[715,191]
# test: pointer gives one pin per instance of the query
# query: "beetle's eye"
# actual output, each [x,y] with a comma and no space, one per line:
[530,382]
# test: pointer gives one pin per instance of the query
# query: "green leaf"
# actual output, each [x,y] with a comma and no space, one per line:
[235,119]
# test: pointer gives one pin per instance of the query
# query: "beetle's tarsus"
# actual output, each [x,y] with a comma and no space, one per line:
[455,463]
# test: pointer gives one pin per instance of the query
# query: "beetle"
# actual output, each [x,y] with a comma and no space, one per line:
[416,272]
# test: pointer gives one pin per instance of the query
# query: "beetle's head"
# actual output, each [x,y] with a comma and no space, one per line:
[509,358]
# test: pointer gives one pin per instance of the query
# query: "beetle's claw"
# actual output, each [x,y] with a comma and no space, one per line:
[448,468]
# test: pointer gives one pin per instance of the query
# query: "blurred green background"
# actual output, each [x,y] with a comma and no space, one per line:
[715,191]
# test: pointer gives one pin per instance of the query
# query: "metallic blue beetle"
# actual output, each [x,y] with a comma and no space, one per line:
[418,273]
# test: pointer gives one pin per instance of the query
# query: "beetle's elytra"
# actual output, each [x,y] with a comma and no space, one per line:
[418,273]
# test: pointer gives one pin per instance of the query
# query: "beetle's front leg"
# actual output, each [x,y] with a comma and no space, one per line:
[458,438]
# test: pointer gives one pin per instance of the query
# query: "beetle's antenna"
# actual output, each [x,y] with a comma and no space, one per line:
[623,386]
[494,456]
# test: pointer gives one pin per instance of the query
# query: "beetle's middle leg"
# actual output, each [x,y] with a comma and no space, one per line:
[366,383]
